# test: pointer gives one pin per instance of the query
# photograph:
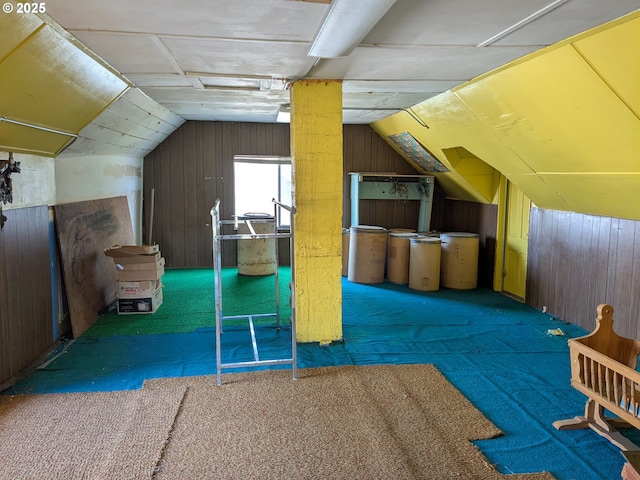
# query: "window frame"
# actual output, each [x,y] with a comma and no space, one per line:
[278,160]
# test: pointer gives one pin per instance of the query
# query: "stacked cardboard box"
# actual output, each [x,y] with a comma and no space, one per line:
[140,269]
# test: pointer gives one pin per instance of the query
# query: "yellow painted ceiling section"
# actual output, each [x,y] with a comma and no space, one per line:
[483,177]
[14,29]
[452,183]
[452,128]
[15,138]
[49,80]
[53,83]
[556,114]
[546,196]
[602,192]
[622,77]
[561,124]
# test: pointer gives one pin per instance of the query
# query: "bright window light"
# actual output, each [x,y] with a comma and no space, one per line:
[258,180]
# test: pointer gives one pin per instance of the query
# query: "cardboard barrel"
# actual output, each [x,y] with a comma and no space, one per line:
[257,256]
[345,251]
[398,257]
[424,266]
[459,266]
[367,254]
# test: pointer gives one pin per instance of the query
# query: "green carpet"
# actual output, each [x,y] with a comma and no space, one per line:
[189,303]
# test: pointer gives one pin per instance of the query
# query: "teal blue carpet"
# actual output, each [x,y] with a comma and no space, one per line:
[496,351]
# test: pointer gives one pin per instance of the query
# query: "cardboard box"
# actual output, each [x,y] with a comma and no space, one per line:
[129,250]
[143,289]
[127,306]
[139,275]
[146,258]
[140,266]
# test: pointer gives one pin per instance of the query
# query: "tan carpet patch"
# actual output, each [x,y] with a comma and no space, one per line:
[376,422]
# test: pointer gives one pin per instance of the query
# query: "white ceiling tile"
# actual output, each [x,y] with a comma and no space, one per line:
[447,64]
[417,50]
[129,53]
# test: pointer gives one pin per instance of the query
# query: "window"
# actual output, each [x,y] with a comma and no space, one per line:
[259,179]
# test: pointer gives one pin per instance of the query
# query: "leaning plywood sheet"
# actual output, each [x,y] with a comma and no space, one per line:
[85,229]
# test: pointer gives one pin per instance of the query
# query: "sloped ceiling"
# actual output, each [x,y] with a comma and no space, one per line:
[52,85]
[562,124]
[232,60]
[132,126]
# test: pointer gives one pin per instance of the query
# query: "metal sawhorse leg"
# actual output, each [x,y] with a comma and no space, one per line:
[216,223]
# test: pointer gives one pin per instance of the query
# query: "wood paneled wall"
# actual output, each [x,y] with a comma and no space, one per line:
[194,166]
[188,171]
[366,151]
[579,261]
[26,328]
[461,216]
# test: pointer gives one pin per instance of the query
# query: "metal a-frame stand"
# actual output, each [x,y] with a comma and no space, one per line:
[216,223]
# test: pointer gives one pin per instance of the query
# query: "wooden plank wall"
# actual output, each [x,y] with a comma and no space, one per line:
[578,261]
[194,166]
[26,328]
[461,216]
[365,151]
[188,171]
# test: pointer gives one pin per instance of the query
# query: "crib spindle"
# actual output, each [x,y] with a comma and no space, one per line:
[585,370]
[603,367]
[601,385]
[626,397]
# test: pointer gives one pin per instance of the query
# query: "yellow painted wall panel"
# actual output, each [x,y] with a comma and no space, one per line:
[455,186]
[482,176]
[486,185]
[603,52]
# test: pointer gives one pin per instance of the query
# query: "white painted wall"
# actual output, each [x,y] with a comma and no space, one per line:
[35,184]
[75,178]
[90,177]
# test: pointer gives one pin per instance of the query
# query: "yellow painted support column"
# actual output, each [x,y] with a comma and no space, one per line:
[316,149]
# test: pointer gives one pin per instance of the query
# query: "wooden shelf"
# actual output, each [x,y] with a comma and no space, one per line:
[391,186]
